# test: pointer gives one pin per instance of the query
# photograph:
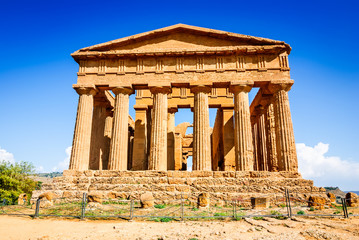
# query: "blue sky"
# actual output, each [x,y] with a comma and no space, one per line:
[38,104]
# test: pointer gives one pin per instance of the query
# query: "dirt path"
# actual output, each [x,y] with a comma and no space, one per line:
[268,228]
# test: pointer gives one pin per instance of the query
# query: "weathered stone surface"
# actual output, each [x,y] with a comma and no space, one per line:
[119,140]
[331,197]
[147,200]
[260,202]
[158,151]
[242,128]
[95,197]
[80,153]
[48,196]
[22,199]
[352,199]
[170,184]
[203,200]
[201,134]
[317,202]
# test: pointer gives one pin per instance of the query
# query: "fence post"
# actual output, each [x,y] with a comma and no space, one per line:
[286,201]
[234,208]
[182,210]
[37,208]
[344,206]
[83,205]
[290,208]
[131,209]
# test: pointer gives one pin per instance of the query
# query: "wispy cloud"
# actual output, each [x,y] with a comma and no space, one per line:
[6,156]
[326,170]
[65,163]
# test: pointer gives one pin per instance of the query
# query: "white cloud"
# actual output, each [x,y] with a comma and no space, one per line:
[40,169]
[325,170]
[65,163]
[6,156]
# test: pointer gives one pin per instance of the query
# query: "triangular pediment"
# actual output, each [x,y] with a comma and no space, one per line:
[181,37]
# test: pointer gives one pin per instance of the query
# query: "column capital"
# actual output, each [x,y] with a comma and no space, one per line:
[259,110]
[85,89]
[240,88]
[161,89]
[200,88]
[275,87]
[123,90]
[172,109]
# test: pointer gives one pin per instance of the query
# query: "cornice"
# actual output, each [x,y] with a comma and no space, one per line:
[245,50]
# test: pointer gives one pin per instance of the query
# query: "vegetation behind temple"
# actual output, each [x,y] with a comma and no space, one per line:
[50,175]
[14,180]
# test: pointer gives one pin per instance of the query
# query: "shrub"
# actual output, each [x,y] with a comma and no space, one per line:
[301,212]
[258,218]
[165,219]
[220,214]
[14,180]
[160,206]
[311,209]
[195,209]
[277,214]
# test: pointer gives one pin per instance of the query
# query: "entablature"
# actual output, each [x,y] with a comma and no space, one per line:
[181,64]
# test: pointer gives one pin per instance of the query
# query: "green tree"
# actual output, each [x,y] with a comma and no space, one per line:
[14,180]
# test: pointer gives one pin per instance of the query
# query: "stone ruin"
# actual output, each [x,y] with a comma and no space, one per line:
[250,151]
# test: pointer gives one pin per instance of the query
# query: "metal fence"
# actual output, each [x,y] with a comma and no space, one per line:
[182,207]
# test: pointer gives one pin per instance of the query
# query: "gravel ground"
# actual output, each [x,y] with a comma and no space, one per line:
[12,227]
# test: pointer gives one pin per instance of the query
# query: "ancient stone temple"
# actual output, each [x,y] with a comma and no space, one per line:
[250,148]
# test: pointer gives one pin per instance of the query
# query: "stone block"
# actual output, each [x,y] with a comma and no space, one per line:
[203,200]
[352,199]
[95,197]
[317,202]
[199,173]
[48,196]
[147,200]
[22,199]
[259,202]
[331,197]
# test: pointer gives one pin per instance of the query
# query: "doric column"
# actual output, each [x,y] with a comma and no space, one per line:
[255,147]
[201,130]
[171,138]
[271,139]
[228,140]
[242,128]
[158,149]
[262,139]
[140,149]
[119,140]
[287,155]
[80,153]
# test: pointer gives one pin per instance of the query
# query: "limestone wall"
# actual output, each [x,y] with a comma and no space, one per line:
[221,185]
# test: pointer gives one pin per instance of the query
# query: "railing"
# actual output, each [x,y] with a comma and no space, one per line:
[182,207]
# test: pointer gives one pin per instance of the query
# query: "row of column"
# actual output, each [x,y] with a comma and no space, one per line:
[244,149]
[273,137]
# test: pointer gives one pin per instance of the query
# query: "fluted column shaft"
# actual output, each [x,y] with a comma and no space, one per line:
[158,149]
[171,138]
[242,128]
[80,153]
[119,140]
[271,139]
[287,155]
[201,130]
[262,143]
